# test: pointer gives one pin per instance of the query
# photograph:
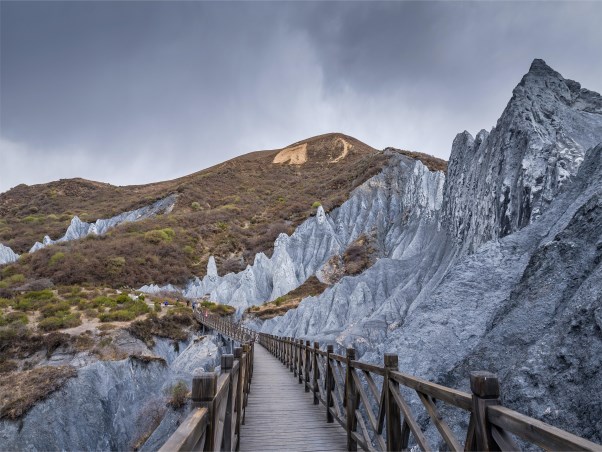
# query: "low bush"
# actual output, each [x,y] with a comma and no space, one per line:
[60,322]
[159,235]
[178,394]
[56,258]
[55,309]
[13,317]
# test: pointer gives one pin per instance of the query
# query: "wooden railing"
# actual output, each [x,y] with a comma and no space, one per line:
[218,399]
[371,403]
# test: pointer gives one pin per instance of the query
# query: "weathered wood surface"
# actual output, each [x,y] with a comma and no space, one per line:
[281,415]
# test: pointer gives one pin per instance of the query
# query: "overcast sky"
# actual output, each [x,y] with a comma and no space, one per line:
[137,92]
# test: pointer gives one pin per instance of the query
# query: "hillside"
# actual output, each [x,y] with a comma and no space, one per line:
[232,211]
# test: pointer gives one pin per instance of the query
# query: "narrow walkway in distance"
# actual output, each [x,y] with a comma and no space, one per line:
[281,415]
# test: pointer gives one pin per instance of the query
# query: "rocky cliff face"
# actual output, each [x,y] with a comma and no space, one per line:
[118,402]
[399,208]
[501,180]
[507,274]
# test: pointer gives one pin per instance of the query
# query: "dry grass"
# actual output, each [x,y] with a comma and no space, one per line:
[291,300]
[19,391]
[431,162]
[358,256]
[232,211]
[173,325]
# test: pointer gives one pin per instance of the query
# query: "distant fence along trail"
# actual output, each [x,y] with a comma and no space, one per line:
[372,403]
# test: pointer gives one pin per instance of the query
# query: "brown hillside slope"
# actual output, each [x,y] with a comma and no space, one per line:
[232,210]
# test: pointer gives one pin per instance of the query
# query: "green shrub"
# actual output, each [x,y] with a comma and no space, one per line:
[178,394]
[54,309]
[115,264]
[157,306]
[23,304]
[56,258]
[17,317]
[195,206]
[39,295]
[14,279]
[160,235]
[120,315]
[60,322]
[316,204]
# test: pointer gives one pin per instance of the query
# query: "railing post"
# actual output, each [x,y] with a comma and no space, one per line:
[239,392]
[352,401]
[204,388]
[307,365]
[291,355]
[316,374]
[245,359]
[329,385]
[485,388]
[392,411]
[227,363]
[300,365]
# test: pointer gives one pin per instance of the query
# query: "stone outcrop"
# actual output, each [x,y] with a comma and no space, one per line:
[79,229]
[399,207]
[7,255]
[501,180]
[111,405]
[509,280]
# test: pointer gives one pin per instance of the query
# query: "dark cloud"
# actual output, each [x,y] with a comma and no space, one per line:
[132,92]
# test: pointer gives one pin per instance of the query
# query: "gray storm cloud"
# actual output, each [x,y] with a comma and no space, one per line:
[137,92]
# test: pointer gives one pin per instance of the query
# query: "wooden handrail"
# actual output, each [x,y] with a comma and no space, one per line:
[218,400]
[352,397]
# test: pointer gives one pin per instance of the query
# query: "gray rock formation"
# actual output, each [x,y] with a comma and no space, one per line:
[398,207]
[511,282]
[7,255]
[79,229]
[502,180]
[117,402]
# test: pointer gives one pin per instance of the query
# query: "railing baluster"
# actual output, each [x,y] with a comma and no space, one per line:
[352,401]
[329,385]
[392,411]
[316,374]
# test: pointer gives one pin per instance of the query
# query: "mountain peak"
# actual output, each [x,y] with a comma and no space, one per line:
[539,66]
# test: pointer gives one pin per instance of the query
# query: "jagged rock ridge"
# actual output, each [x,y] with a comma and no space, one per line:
[398,207]
[79,229]
[525,304]
[501,180]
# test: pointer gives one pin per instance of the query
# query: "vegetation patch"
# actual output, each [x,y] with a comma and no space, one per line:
[358,256]
[19,391]
[178,395]
[232,211]
[172,326]
[310,288]
[223,310]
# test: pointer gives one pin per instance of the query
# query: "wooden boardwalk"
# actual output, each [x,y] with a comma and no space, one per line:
[281,415]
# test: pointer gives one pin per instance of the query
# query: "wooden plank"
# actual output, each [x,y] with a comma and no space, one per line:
[282,416]
[452,396]
[441,425]
[189,432]
[537,432]
[409,419]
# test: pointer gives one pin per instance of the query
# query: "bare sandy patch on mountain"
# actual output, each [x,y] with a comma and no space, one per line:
[296,155]
[346,147]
